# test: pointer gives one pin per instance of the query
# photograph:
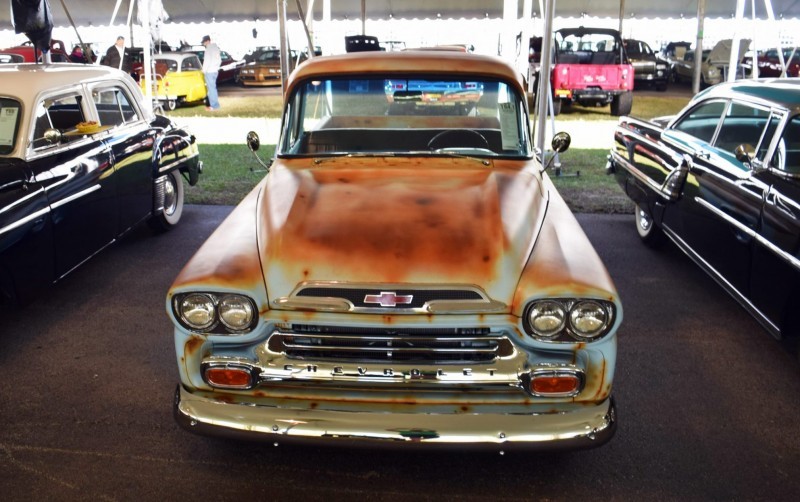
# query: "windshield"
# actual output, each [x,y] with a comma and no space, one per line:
[9,123]
[405,115]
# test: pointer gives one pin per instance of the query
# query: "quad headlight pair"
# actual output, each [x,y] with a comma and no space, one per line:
[569,319]
[215,312]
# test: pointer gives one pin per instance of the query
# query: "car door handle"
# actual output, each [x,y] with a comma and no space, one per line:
[702,154]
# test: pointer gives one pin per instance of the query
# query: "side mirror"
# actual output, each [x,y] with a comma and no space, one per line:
[561,141]
[745,153]
[253,141]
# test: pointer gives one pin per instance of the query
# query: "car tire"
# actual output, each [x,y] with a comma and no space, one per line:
[650,234]
[622,104]
[556,106]
[171,214]
[172,104]
[661,86]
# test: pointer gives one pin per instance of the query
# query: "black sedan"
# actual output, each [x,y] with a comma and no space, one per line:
[82,161]
[722,181]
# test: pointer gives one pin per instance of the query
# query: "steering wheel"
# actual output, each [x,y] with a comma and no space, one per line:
[467,138]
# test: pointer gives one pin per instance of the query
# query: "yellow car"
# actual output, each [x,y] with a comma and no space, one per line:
[178,79]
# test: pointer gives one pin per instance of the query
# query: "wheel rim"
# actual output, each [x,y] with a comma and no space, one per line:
[644,221]
[170,197]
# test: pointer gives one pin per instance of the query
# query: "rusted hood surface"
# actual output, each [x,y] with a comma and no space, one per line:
[398,221]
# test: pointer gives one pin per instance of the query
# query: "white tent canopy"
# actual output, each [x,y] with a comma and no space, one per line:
[98,12]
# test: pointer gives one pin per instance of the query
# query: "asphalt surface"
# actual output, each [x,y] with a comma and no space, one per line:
[708,402]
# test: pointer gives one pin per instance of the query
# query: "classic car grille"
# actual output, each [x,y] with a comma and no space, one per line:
[412,345]
[419,296]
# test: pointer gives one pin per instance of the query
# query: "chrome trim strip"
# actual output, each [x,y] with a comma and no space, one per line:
[639,175]
[727,286]
[23,221]
[335,304]
[75,196]
[179,161]
[22,200]
[783,255]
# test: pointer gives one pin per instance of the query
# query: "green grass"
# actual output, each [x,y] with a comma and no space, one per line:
[644,107]
[230,172]
[235,106]
[585,185]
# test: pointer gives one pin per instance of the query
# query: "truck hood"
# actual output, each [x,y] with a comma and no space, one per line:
[721,53]
[402,223]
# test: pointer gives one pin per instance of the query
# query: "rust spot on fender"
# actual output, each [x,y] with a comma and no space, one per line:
[313,406]
[602,383]
[193,344]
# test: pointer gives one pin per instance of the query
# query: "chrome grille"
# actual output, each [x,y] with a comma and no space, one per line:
[415,345]
[418,297]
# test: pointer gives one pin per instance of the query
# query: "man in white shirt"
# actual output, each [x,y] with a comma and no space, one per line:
[211,63]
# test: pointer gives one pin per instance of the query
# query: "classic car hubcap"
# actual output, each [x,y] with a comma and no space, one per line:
[170,200]
[644,221]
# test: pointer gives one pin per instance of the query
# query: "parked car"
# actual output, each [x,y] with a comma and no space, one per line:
[591,68]
[10,58]
[265,70]
[178,79]
[648,67]
[401,275]
[229,68]
[58,52]
[722,181]
[769,63]
[82,161]
[714,65]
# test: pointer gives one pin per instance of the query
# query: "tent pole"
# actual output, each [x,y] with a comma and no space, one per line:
[284,43]
[698,47]
[733,60]
[621,15]
[543,93]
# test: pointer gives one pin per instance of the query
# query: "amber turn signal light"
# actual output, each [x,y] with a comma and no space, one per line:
[229,378]
[560,384]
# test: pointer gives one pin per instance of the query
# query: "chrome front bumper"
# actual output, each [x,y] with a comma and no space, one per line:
[584,426]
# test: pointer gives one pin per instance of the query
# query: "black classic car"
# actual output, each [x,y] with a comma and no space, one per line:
[722,181]
[649,69]
[82,161]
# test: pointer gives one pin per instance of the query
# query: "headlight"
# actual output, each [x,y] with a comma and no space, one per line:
[661,67]
[197,311]
[547,318]
[217,313]
[588,319]
[569,319]
[235,312]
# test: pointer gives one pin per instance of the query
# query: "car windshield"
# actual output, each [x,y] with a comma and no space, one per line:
[10,112]
[405,115]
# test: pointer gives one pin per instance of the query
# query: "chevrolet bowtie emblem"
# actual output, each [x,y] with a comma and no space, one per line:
[388,299]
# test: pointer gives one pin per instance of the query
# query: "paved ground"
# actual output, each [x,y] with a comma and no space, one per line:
[708,402]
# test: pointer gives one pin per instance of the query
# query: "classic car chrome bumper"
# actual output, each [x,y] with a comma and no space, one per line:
[584,427]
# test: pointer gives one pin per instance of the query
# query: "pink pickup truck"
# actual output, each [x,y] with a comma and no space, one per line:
[592,69]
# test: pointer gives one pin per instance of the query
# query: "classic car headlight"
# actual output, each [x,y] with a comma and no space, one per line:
[215,312]
[197,311]
[547,318]
[569,319]
[661,67]
[588,319]
[235,312]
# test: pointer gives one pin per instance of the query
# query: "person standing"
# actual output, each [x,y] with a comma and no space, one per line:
[117,56]
[211,63]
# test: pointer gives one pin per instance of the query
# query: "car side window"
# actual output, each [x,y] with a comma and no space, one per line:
[61,112]
[701,122]
[787,155]
[114,106]
[742,124]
